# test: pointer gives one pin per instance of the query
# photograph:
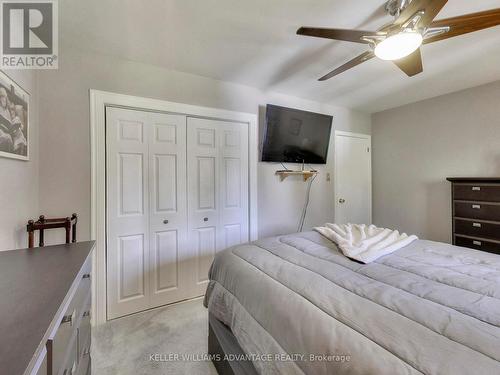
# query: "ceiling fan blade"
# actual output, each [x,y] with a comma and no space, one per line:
[337,34]
[351,64]
[411,64]
[465,24]
[431,9]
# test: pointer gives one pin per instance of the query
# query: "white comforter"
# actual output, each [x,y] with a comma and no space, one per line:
[365,243]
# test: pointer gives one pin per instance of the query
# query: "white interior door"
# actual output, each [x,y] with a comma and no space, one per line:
[177,192]
[217,191]
[169,260]
[147,260]
[353,178]
[127,134]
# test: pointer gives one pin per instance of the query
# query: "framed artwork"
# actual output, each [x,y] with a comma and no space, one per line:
[14,121]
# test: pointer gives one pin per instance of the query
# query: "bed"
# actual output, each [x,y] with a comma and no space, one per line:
[295,305]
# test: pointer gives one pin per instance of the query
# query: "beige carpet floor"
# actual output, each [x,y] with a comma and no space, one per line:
[170,340]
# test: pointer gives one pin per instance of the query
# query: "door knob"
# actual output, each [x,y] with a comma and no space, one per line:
[341,200]
[165,221]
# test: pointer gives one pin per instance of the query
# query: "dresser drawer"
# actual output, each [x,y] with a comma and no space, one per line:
[84,330]
[71,361]
[477,210]
[491,247]
[478,192]
[477,229]
[57,345]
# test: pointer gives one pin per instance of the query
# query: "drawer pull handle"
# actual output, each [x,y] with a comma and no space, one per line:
[476,225]
[205,219]
[476,206]
[477,243]
[165,221]
[476,188]
[67,319]
[86,276]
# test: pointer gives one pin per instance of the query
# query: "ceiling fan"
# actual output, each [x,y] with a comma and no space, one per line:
[400,41]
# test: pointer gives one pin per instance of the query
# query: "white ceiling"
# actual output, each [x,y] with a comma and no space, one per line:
[253,42]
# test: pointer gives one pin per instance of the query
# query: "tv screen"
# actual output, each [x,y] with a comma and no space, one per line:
[295,136]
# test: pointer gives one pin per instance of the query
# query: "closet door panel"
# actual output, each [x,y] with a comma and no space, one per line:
[166,259]
[217,191]
[203,200]
[167,178]
[127,211]
[206,170]
[233,183]
[205,251]
[165,170]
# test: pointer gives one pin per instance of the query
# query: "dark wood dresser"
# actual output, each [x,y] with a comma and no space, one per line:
[476,213]
[45,304]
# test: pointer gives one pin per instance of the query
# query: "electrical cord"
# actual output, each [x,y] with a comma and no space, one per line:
[306,204]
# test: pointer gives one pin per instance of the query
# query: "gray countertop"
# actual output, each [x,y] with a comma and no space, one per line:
[33,284]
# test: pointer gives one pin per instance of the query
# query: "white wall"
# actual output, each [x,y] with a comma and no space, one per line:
[415,147]
[65,138]
[19,179]
[280,203]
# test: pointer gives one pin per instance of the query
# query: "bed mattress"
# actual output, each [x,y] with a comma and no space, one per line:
[296,305]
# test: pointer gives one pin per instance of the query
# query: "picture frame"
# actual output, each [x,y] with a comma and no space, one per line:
[14,119]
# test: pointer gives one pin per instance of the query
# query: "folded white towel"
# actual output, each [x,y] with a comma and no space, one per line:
[365,243]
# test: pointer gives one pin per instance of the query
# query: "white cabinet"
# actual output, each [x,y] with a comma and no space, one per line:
[177,192]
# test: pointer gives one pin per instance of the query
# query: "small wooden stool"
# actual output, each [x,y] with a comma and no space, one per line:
[68,223]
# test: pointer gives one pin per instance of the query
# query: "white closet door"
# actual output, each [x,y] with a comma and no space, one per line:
[169,270]
[147,262]
[217,191]
[233,192]
[127,136]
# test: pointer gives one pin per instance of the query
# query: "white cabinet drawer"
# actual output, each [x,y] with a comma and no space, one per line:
[84,330]
[71,361]
[66,333]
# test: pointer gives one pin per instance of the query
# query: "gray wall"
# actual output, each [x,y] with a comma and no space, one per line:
[415,147]
[65,137]
[19,179]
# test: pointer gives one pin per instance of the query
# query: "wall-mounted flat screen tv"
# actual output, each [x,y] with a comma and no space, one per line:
[295,136]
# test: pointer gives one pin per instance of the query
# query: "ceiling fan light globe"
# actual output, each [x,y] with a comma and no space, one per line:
[399,45]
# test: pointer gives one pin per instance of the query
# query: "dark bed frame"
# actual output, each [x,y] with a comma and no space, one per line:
[222,343]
